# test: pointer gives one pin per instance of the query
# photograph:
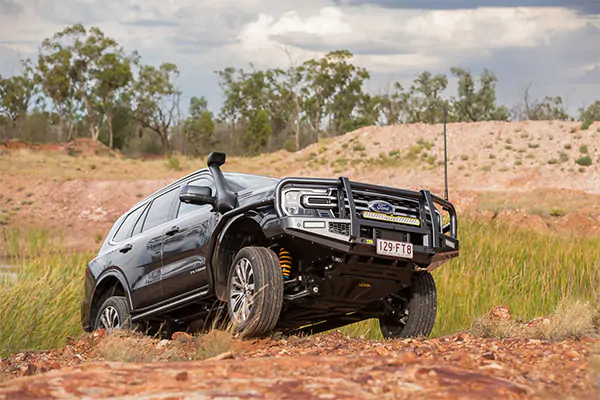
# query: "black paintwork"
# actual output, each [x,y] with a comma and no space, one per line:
[176,270]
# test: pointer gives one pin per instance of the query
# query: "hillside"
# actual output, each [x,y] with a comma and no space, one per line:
[492,165]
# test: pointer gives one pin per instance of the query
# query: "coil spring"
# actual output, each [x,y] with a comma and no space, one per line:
[285,260]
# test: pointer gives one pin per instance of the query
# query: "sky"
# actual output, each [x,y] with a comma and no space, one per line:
[552,45]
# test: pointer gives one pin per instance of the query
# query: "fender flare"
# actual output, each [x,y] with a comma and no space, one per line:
[253,217]
[113,273]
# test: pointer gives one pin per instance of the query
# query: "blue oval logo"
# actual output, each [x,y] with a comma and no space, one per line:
[382,207]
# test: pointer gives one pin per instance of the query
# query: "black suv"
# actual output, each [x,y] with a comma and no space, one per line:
[289,255]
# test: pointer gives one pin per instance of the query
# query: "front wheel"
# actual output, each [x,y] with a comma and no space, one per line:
[255,291]
[411,312]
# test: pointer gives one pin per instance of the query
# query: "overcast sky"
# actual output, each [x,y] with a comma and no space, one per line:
[552,44]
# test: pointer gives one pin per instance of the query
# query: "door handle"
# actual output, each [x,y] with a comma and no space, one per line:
[172,231]
[126,248]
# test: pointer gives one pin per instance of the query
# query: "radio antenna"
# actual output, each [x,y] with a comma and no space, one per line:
[445,158]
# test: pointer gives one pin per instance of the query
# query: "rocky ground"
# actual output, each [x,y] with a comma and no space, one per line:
[329,366]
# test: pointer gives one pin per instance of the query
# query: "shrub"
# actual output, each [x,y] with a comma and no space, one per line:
[585,161]
[583,149]
[173,163]
[567,146]
[424,143]
[358,147]
[586,124]
[290,145]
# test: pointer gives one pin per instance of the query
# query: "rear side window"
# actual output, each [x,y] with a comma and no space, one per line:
[160,209]
[124,231]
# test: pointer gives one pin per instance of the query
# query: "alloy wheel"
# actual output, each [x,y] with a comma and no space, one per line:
[242,290]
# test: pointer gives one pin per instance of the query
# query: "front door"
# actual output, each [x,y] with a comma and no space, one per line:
[185,246]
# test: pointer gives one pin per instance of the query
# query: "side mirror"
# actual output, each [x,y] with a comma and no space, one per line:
[198,195]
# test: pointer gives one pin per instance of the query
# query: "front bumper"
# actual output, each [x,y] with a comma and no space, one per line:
[432,245]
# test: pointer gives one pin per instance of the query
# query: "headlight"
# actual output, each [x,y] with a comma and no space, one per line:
[297,201]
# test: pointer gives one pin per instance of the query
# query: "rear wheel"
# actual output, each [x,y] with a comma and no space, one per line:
[412,311]
[114,314]
[255,291]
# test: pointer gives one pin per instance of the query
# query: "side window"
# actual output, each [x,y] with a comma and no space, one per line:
[160,209]
[125,229]
[137,228]
[185,208]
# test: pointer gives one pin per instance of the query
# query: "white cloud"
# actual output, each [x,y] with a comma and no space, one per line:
[492,27]
[203,35]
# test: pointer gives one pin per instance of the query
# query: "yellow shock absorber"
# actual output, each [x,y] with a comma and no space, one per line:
[285,260]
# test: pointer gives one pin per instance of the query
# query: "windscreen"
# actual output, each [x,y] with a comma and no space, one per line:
[238,182]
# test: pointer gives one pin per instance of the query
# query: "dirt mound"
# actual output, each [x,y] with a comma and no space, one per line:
[522,220]
[79,146]
[578,223]
[88,147]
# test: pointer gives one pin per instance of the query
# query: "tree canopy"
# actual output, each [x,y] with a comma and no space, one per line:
[83,83]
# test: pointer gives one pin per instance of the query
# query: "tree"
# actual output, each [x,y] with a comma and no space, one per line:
[233,105]
[590,114]
[93,57]
[477,103]
[199,127]
[258,132]
[333,89]
[425,103]
[17,93]
[156,99]
[393,105]
[115,78]
[54,68]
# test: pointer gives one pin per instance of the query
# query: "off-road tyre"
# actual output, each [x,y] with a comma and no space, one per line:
[421,304]
[117,306]
[266,304]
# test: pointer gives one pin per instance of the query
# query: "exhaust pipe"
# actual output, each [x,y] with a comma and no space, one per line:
[226,199]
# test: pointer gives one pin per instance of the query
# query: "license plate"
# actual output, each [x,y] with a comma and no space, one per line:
[395,249]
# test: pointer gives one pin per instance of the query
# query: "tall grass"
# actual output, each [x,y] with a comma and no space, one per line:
[528,272]
[41,308]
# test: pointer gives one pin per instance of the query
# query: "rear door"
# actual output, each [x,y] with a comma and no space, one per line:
[185,245]
[148,234]
[138,256]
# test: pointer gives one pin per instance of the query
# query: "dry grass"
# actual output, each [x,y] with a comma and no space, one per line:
[540,202]
[130,346]
[572,319]
[64,167]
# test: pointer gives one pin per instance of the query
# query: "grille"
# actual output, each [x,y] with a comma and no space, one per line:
[340,228]
[402,206]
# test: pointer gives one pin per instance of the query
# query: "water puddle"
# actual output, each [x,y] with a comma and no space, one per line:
[8,273]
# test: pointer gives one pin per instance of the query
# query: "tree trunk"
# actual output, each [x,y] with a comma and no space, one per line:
[63,128]
[94,132]
[165,141]
[109,121]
